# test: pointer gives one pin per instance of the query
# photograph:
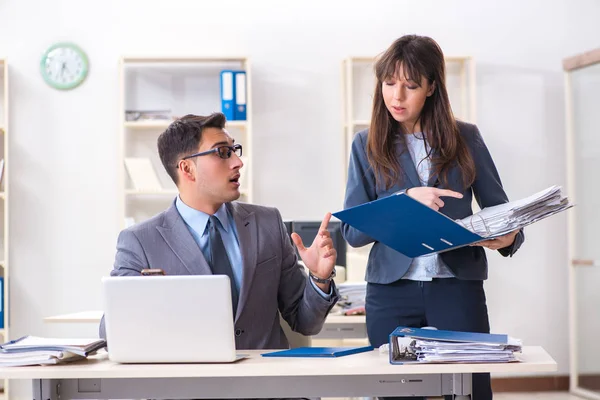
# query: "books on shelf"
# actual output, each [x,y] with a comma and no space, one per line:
[1,302]
[142,174]
[34,350]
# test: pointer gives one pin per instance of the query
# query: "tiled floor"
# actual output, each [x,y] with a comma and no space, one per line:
[539,395]
[506,396]
[533,396]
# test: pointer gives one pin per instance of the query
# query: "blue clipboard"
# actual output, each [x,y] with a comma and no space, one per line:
[318,352]
[408,226]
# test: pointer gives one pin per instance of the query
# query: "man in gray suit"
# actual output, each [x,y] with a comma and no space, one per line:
[204,232]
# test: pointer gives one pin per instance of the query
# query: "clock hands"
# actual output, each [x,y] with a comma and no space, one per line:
[64,66]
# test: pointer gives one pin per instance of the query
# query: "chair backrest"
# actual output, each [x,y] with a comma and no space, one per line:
[295,339]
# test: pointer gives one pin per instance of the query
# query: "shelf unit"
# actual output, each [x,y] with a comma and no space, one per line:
[179,86]
[358,84]
[4,200]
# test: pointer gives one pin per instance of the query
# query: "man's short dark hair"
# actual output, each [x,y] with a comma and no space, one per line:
[183,138]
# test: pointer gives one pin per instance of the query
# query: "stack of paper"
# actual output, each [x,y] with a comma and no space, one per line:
[32,350]
[437,346]
[352,297]
[505,218]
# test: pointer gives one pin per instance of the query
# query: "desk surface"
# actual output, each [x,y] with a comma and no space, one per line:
[535,359]
[94,316]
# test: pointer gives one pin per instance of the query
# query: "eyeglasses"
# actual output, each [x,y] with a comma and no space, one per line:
[224,152]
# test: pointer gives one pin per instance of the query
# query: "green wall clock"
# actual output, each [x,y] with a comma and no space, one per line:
[64,66]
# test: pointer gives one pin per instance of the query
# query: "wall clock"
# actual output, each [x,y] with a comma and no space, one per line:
[64,66]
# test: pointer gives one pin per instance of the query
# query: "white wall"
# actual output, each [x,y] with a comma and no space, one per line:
[64,163]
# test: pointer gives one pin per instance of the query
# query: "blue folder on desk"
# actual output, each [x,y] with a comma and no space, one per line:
[407,226]
[449,336]
[445,346]
[318,352]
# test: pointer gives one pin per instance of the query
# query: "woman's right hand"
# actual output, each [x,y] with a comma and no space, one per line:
[430,196]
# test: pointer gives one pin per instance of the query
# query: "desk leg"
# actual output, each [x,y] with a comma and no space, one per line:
[462,386]
[46,389]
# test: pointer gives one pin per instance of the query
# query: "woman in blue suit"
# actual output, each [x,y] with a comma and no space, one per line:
[415,144]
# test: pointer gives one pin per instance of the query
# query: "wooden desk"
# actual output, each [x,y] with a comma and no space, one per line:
[358,375]
[93,316]
[335,327]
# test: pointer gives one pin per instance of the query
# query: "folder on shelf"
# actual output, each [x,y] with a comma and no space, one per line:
[1,302]
[240,96]
[409,345]
[1,170]
[227,94]
[142,174]
[407,226]
[327,352]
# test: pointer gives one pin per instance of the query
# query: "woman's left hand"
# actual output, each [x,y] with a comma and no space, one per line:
[499,242]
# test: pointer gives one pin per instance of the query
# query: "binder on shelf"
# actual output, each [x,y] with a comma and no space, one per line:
[407,226]
[327,352]
[228,94]
[1,170]
[1,302]
[240,96]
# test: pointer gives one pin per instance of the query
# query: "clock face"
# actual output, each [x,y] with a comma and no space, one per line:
[64,66]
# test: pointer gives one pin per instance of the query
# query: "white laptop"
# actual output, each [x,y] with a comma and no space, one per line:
[169,319]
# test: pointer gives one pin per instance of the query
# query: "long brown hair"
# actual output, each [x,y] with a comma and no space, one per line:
[419,56]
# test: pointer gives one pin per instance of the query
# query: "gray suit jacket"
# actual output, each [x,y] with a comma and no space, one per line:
[386,265]
[272,282]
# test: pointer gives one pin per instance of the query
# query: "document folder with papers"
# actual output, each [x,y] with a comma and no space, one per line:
[32,350]
[318,352]
[410,345]
[413,229]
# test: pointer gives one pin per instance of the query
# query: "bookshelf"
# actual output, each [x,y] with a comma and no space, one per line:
[4,198]
[171,87]
[358,84]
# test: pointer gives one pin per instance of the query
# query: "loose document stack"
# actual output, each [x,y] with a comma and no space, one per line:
[414,345]
[33,350]
[352,298]
[504,218]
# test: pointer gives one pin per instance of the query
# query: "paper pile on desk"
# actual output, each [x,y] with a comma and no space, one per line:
[437,346]
[33,350]
[352,297]
[505,218]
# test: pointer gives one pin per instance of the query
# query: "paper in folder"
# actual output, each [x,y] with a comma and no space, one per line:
[33,350]
[415,345]
[413,229]
[318,351]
